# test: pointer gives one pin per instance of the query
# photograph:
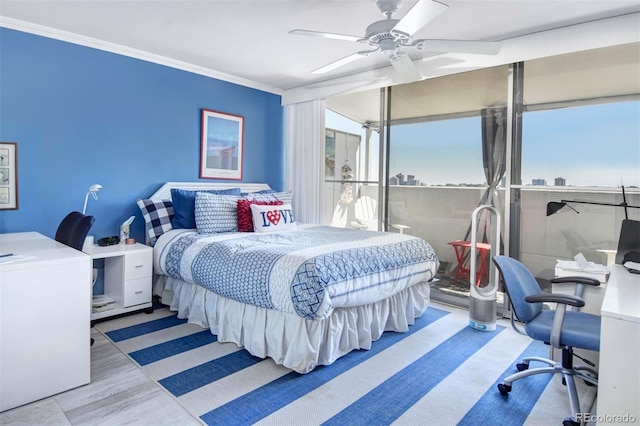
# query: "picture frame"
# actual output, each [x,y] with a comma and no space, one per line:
[8,176]
[221,145]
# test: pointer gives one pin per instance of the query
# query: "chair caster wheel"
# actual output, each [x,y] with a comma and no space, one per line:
[570,422]
[504,389]
[522,366]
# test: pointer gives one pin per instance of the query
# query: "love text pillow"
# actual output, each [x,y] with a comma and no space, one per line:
[245,220]
[272,218]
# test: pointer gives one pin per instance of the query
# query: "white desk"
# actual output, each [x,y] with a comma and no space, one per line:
[619,373]
[44,319]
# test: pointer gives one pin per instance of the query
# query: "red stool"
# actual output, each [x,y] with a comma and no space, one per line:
[460,248]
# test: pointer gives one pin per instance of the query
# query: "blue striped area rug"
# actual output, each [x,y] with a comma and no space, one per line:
[441,372]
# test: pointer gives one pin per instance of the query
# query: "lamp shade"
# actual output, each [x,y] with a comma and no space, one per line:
[554,206]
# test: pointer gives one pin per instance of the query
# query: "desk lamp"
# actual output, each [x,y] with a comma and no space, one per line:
[554,206]
[92,190]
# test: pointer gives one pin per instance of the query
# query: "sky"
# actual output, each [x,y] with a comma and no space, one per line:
[588,146]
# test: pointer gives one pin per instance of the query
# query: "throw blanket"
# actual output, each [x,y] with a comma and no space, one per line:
[308,271]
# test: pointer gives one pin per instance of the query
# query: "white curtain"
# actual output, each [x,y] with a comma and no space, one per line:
[304,134]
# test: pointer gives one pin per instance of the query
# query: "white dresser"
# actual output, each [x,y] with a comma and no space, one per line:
[45,301]
[619,373]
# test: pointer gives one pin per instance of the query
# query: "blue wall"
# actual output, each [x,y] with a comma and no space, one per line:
[82,116]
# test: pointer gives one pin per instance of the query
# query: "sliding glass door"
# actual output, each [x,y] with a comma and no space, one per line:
[447,156]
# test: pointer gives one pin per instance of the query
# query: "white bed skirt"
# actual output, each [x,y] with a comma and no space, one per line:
[297,343]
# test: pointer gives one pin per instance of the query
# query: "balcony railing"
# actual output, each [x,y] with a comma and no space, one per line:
[443,214]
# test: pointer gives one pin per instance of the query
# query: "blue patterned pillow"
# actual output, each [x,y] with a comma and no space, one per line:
[157,218]
[285,197]
[184,204]
[216,213]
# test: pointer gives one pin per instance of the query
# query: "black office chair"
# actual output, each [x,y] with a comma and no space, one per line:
[72,232]
[562,328]
[73,229]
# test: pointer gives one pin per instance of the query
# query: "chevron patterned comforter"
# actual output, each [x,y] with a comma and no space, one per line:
[308,271]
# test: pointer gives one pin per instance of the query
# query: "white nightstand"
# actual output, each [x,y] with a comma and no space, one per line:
[128,271]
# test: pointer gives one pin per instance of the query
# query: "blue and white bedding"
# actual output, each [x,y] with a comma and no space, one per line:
[308,271]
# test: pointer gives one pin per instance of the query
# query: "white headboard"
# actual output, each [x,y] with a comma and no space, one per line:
[164,193]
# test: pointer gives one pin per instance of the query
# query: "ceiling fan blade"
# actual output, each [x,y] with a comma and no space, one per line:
[337,64]
[405,67]
[418,16]
[460,46]
[325,35]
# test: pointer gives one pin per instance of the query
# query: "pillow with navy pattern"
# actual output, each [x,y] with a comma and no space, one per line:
[184,205]
[216,213]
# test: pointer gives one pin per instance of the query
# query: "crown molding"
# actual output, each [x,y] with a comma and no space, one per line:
[69,37]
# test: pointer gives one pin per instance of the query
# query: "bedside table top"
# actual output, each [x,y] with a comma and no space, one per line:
[98,252]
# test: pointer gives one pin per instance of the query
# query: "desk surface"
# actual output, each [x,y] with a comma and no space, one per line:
[37,248]
[622,298]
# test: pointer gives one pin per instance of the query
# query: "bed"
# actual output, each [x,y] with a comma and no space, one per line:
[303,295]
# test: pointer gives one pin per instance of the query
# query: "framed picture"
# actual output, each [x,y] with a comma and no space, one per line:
[221,145]
[8,176]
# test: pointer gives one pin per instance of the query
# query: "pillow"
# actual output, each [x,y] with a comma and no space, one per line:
[245,223]
[157,218]
[216,213]
[262,191]
[285,197]
[184,203]
[272,218]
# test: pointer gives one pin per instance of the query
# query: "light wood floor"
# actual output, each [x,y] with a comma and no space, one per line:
[119,394]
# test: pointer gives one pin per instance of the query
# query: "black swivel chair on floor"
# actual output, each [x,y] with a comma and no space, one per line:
[562,328]
[72,232]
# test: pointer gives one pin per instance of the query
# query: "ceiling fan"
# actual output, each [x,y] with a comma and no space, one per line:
[393,37]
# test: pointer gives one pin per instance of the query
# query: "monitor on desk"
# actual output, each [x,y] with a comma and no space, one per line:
[629,239]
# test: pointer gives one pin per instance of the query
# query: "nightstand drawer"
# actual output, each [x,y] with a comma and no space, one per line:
[137,291]
[138,265]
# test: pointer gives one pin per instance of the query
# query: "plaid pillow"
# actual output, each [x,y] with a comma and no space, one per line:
[157,218]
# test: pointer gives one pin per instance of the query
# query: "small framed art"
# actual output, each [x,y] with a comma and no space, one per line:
[8,176]
[221,145]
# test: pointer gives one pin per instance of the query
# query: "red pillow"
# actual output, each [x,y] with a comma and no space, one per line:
[245,222]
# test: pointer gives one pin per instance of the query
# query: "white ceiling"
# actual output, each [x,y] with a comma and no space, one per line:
[247,42]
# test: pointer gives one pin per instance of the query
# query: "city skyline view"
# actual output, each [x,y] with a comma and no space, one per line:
[596,145]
